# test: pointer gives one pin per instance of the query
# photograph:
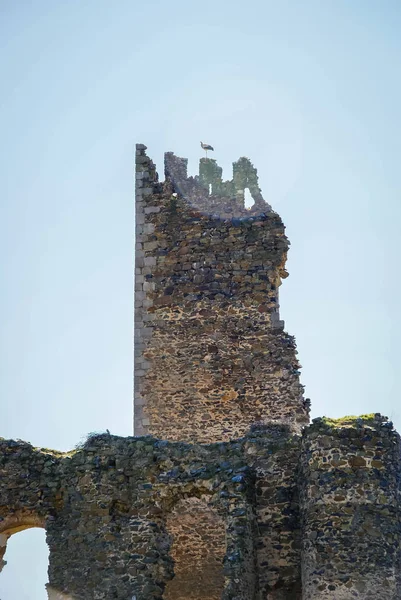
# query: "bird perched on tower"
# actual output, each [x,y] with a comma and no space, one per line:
[206,147]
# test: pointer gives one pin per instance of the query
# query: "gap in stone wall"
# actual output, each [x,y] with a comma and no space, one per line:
[249,201]
[198,549]
[25,575]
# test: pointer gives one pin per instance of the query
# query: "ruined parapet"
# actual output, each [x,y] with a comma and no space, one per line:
[208,193]
[350,480]
[211,355]
[175,169]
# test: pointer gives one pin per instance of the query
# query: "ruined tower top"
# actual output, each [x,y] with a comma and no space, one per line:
[211,356]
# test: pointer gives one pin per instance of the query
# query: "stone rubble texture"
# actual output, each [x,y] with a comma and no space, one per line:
[227,492]
[211,356]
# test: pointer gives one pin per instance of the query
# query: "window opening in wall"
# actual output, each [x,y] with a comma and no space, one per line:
[198,549]
[24,575]
[248,200]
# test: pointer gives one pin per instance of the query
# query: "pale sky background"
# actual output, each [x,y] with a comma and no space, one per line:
[309,91]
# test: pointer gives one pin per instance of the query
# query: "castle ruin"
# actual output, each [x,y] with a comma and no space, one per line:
[226,491]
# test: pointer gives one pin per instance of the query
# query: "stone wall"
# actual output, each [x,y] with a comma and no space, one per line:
[350,505]
[149,519]
[109,512]
[211,355]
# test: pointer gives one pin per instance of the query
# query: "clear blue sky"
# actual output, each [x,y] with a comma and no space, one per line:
[310,91]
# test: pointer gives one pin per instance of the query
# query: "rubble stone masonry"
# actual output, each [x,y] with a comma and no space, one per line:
[211,355]
[271,516]
[350,507]
[226,492]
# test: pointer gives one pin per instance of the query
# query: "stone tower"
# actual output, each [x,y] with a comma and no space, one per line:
[211,355]
[234,496]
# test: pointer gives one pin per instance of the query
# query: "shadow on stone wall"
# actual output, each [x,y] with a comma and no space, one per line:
[198,549]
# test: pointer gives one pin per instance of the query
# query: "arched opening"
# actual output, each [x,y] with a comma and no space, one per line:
[248,200]
[25,562]
[198,548]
